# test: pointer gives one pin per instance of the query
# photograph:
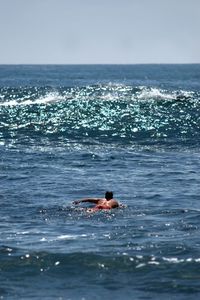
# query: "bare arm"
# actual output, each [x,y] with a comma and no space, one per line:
[91,200]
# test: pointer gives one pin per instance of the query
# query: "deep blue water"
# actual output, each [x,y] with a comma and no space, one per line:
[69,132]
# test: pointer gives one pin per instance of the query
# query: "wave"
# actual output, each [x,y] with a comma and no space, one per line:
[104,113]
[45,95]
[45,274]
[69,265]
[86,258]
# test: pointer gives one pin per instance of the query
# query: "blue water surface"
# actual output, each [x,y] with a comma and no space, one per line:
[74,131]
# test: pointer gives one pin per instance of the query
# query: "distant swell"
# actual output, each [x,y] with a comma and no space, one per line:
[104,113]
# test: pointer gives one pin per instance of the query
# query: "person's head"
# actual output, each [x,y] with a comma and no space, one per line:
[108,195]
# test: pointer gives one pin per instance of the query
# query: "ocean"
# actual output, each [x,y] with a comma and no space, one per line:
[69,132]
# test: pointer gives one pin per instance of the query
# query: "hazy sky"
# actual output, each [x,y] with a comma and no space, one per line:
[99,31]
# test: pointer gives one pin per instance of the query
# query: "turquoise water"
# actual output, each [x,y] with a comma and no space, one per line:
[68,132]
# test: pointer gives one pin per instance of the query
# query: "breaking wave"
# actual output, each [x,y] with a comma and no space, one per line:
[104,113]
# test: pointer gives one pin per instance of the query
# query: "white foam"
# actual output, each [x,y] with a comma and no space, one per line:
[9,103]
[155,93]
[174,260]
[67,237]
[50,97]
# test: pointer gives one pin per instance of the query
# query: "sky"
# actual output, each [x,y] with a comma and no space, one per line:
[99,31]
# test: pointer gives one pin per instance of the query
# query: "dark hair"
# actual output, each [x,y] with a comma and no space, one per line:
[109,195]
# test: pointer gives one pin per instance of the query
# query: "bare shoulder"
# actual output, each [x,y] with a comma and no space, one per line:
[102,201]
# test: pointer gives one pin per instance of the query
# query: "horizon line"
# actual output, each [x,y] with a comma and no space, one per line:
[94,64]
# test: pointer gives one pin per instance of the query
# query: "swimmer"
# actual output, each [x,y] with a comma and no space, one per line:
[101,203]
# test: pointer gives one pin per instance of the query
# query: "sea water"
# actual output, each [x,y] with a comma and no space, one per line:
[73,131]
